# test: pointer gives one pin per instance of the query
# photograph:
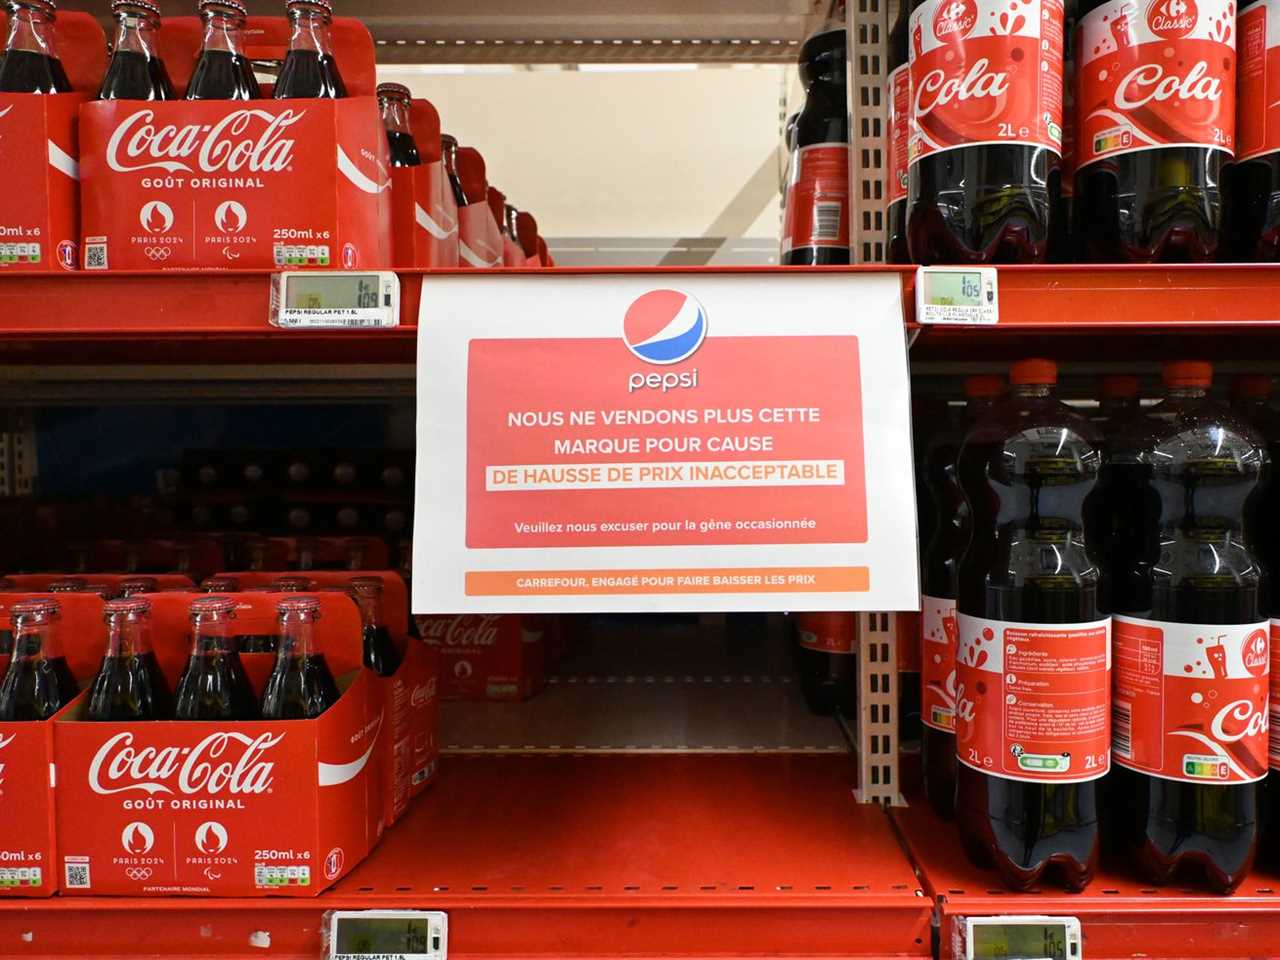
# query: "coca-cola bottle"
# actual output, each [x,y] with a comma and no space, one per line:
[395,100]
[30,63]
[510,219]
[1189,713]
[1032,677]
[938,593]
[38,682]
[1156,127]
[223,72]
[309,69]
[380,653]
[300,685]
[136,585]
[213,685]
[449,151]
[816,228]
[68,585]
[826,656]
[129,684]
[986,130]
[897,100]
[136,71]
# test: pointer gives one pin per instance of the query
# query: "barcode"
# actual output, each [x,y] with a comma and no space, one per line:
[1274,752]
[1122,729]
[336,322]
[826,221]
[77,876]
[95,256]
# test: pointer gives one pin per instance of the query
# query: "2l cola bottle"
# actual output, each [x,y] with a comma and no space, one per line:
[30,63]
[300,686]
[1189,709]
[136,71]
[986,130]
[223,72]
[938,601]
[827,661]
[310,70]
[897,100]
[1253,181]
[38,682]
[1032,664]
[129,684]
[214,686]
[1156,127]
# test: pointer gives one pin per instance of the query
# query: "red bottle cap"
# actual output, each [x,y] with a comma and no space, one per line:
[1119,386]
[296,605]
[983,386]
[291,584]
[203,606]
[146,5]
[1034,371]
[394,90]
[233,5]
[132,605]
[45,607]
[1188,373]
[1253,386]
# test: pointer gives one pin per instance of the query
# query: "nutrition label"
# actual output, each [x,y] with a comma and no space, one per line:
[297,255]
[19,253]
[20,877]
[276,875]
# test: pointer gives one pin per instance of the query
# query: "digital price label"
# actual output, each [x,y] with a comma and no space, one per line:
[386,935]
[335,300]
[1022,938]
[957,295]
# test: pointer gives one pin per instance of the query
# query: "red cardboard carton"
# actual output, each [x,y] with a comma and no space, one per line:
[479,239]
[28,842]
[488,656]
[280,808]
[423,208]
[42,581]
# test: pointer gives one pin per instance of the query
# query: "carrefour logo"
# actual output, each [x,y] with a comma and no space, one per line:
[664,326]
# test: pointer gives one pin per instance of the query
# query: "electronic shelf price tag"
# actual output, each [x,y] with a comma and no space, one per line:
[957,295]
[1021,938]
[386,935]
[314,300]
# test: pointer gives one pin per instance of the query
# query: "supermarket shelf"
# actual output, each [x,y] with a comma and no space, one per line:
[645,856]
[1119,916]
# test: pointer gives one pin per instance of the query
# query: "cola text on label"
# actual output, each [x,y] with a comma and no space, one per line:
[938,629]
[229,761]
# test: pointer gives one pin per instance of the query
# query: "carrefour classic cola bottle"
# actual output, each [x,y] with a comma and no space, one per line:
[897,101]
[394,99]
[129,684]
[223,72]
[1189,713]
[938,601]
[214,686]
[136,71]
[816,225]
[300,686]
[1253,181]
[30,63]
[1156,126]
[309,68]
[825,656]
[1032,678]
[986,130]
[38,682]
[380,653]
[1062,235]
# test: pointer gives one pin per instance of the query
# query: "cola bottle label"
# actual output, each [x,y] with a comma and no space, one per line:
[1258,80]
[1190,700]
[825,632]
[898,97]
[817,203]
[1162,75]
[938,663]
[1069,80]
[1032,699]
[985,72]
[1273,713]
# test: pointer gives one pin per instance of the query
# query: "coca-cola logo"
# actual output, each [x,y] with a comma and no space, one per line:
[1149,82]
[1256,653]
[954,19]
[4,742]
[938,90]
[464,630]
[1172,19]
[1237,720]
[250,139]
[211,766]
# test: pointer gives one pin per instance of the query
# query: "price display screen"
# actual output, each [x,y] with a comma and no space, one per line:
[958,295]
[1023,938]
[387,935]
[306,299]
[954,289]
[334,291]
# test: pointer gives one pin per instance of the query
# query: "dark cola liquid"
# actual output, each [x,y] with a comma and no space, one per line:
[35,687]
[380,653]
[1253,210]
[257,642]
[308,74]
[130,687]
[220,75]
[1026,474]
[214,686]
[135,76]
[23,71]
[404,151]
[299,688]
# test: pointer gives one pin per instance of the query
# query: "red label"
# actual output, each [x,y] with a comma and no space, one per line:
[817,213]
[1190,699]
[985,71]
[898,98]
[1160,75]
[826,632]
[1032,699]
[1273,753]
[39,219]
[1258,81]
[938,662]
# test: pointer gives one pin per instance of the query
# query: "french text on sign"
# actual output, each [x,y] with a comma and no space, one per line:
[626,476]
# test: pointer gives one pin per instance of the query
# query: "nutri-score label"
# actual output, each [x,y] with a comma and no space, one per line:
[1258,80]
[985,72]
[1159,73]
[1190,699]
[825,632]
[1032,699]
[817,212]
[938,632]
[898,98]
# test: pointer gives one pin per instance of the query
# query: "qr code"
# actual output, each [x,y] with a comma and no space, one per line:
[95,253]
[77,875]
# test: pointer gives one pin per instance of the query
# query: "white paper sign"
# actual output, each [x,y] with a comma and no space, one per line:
[648,442]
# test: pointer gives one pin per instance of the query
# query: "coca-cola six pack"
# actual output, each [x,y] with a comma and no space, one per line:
[491,656]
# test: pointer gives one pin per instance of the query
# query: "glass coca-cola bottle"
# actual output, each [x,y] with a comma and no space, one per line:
[30,63]
[38,682]
[309,69]
[380,653]
[136,585]
[223,72]
[68,585]
[136,71]
[300,686]
[449,149]
[214,686]
[395,100]
[129,684]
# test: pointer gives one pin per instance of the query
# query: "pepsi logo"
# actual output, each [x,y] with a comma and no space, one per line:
[664,326]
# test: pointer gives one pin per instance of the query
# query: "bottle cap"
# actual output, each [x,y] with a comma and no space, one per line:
[146,5]
[366,585]
[1188,373]
[1119,386]
[204,606]
[291,584]
[397,90]
[324,5]
[220,585]
[138,585]
[130,605]
[233,5]
[983,386]
[1253,386]
[68,585]
[49,5]
[1033,371]
[41,607]
[292,606]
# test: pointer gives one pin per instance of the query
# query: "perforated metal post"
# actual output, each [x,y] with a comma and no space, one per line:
[876,732]
[869,22]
